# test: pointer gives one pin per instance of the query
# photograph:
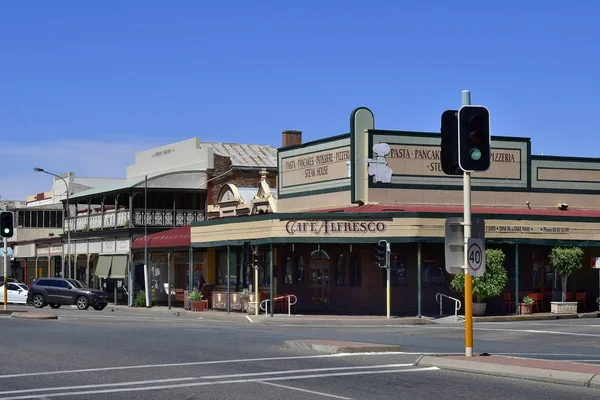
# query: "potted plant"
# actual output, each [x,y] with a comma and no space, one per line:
[566,260]
[525,308]
[244,298]
[491,284]
[197,302]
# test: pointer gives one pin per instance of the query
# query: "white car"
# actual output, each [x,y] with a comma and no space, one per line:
[16,293]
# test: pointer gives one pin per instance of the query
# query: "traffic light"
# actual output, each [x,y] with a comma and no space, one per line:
[381,254]
[474,147]
[449,145]
[256,259]
[6,224]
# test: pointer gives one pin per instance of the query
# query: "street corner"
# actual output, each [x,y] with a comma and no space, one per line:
[338,346]
[562,372]
[33,315]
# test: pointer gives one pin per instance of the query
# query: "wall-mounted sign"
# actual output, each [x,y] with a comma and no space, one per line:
[315,167]
[424,160]
[515,229]
[596,263]
[333,227]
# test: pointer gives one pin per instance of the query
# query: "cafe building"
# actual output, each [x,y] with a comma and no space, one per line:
[338,196]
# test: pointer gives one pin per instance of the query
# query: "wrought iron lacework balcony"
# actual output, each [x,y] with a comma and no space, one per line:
[120,219]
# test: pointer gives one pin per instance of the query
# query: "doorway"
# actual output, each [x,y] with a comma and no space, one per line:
[319,282]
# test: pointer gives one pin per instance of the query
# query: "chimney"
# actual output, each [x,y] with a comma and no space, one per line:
[291,138]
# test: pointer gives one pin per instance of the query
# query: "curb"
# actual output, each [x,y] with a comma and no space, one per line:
[10,312]
[335,347]
[513,371]
[28,315]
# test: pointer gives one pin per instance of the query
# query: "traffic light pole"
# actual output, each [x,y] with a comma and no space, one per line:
[388,267]
[466,100]
[5,266]
[256,296]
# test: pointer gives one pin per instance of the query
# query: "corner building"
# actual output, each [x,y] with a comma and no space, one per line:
[340,195]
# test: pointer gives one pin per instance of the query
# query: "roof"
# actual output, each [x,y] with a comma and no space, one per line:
[176,237]
[390,208]
[247,194]
[113,187]
[247,155]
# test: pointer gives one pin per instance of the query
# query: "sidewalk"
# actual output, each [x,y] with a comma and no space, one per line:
[569,373]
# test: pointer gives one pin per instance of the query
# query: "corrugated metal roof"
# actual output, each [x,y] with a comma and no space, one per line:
[247,155]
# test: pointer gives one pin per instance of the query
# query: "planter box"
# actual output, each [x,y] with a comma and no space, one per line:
[525,309]
[567,307]
[479,309]
[199,305]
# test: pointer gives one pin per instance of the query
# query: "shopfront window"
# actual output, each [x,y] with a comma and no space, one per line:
[355,271]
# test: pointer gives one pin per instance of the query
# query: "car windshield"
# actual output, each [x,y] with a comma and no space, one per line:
[76,283]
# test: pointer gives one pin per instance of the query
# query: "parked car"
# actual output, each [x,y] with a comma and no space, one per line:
[16,293]
[60,291]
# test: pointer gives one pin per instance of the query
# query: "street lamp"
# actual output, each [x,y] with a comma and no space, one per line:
[62,271]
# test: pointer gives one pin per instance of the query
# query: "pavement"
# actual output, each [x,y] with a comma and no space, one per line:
[569,373]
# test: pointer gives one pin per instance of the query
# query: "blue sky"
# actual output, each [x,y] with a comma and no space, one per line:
[86,84]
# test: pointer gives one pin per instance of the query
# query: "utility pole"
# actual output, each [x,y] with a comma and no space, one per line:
[466,101]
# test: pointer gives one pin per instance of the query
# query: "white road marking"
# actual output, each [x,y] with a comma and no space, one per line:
[306,391]
[196,378]
[241,360]
[526,331]
[249,319]
[184,385]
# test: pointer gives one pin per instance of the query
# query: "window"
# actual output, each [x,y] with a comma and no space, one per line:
[355,272]
[340,270]
[62,284]
[289,271]
[300,266]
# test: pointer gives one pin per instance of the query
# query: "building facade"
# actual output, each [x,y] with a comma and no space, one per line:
[339,196]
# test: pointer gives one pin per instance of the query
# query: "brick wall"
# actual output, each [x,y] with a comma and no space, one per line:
[239,177]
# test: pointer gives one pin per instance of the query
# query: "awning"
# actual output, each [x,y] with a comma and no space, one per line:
[119,267]
[103,266]
[176,237]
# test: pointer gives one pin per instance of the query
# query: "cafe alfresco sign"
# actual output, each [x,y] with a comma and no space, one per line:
[325,227]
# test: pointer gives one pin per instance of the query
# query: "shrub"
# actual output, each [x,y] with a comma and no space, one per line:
[566,260]
[492,282]
[140,298]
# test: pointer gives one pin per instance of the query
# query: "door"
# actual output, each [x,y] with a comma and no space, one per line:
[319,281]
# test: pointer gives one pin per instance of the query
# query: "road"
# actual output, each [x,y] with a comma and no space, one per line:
[103,355]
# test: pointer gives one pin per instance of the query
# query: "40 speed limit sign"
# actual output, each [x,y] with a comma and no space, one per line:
[475,257]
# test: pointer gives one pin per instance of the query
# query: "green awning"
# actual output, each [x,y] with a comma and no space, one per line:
[103,266]
[119,267]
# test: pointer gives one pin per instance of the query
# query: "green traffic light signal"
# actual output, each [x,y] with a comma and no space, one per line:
[474,141]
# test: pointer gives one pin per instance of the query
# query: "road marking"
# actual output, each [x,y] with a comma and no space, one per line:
[222,382]
[249,319]
[240,360]
[526,331]
[205,377]
[306,391]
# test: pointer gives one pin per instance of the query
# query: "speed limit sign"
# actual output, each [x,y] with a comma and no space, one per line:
[475,257]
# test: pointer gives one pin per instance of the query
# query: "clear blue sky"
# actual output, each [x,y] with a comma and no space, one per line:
[86,84]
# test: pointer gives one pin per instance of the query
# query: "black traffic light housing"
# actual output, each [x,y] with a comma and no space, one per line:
[449,145]
[474,142]
[6,224]
[247,253]
[256,259]
[381,254]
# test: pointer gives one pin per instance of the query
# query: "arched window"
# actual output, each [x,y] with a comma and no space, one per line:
[340,270]
[355,271]
[300,267]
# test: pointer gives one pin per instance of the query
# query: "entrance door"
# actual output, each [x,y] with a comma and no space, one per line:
[319,281]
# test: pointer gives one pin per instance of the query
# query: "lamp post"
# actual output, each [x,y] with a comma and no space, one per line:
[62,271]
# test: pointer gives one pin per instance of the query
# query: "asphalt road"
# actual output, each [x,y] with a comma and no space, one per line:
[103,355]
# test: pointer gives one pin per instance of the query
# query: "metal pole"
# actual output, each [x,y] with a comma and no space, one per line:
[228,280]
[516,278]
[271,279]
[419,289]
[68,231]
[169,279]
[388,267]
[256,295]
[5,266]
[146,269]
[466,100]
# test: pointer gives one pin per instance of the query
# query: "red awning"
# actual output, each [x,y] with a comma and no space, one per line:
[176,237]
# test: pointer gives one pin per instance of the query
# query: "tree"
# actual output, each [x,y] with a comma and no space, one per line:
[492,282]
[566,260]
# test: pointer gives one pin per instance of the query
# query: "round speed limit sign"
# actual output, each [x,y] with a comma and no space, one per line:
[475,257]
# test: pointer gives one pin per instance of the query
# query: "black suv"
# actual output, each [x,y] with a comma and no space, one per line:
[59,291]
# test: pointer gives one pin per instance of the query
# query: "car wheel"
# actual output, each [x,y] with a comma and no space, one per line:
[54,305]
[99,308]
[82,303]
[38,301]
